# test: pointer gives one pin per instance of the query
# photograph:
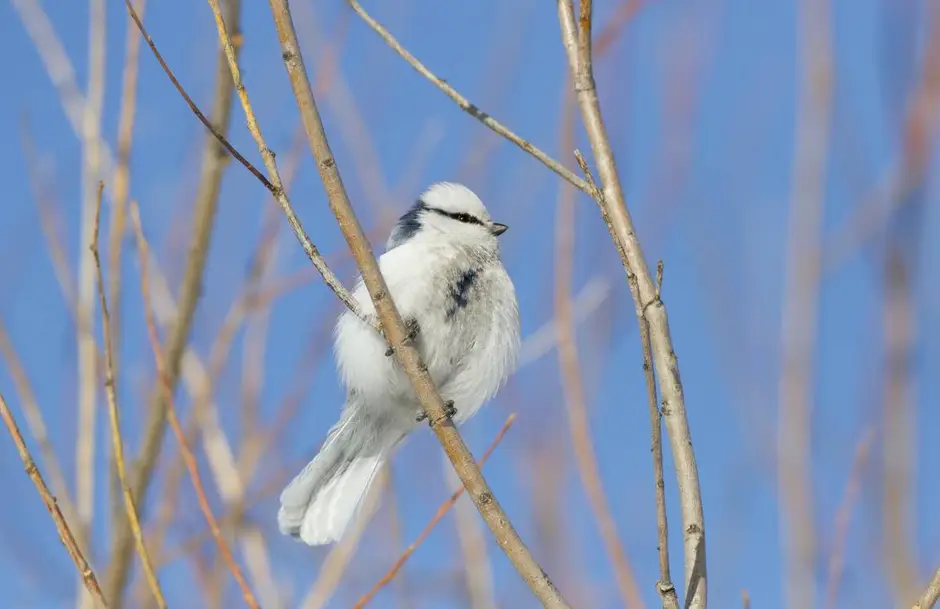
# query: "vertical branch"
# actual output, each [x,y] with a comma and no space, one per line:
[88,578]
[121,188]
[573,384]
[393,328]
[930,595]
[664,586]
[87,373]
[576,36]
[213,166]
[899,448]
[188,458]
[801,290]
[116,438]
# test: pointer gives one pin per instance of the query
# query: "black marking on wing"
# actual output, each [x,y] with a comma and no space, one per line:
[460,291]
[408,224]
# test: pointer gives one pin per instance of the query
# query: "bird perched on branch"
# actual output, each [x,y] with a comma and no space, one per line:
[444,273]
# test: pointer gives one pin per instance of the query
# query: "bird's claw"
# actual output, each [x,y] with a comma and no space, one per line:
[413,330]
[449,412]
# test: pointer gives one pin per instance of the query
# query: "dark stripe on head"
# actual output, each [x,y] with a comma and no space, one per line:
[460,217]
[460,291]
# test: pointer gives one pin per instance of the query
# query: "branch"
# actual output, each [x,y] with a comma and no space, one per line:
[116,438]
[465,104]
[391,322]
[929,598]
[576,36]
[188,457]
[274,185]
[65,533]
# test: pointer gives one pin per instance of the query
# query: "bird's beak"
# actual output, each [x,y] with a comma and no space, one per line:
[498,229]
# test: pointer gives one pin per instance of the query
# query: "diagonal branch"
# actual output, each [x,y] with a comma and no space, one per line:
[391,322]
[465,103]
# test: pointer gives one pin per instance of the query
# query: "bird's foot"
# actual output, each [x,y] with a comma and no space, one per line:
[413,329]
[449,412]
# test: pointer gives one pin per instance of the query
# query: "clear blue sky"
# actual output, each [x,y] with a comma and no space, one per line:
[700,102]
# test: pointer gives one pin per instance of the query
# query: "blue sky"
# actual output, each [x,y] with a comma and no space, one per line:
[700,101]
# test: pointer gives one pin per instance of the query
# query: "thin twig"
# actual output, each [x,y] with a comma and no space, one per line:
[572,382]
[116,438]
[665,587]
[930,595]
[65,533]
[576,36]
[441,512]
[274,185]
[187,454]
[405,352]
[465,104]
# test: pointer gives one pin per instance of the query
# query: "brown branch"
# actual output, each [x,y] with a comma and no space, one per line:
[844,517]
[465,104]
[441,512]
[116,438]
[394,331]
[274,186]
[204,211]
[930,595]
[188,457]
[572,382]
[576,36]
[65,533]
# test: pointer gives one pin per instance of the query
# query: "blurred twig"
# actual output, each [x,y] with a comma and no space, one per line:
[576,36]
[844,518]
[188,457]
[116,438]
[65,533]
[799,319]
[392,326]
[465,104]
[572,382]
[441,512]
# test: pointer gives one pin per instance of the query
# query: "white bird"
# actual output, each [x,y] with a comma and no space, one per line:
[444,273]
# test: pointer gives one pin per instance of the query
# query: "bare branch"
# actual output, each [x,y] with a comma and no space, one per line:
[65,533]
[929,598]
[441,512]
[394,330]
[465,104]
[576,36]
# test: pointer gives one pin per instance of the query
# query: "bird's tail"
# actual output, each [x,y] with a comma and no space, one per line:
[324,498]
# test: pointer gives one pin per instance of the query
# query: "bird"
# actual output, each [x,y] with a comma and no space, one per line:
[444,273]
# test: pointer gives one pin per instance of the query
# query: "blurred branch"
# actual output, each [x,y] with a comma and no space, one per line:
[116,438]
[65,533]
[572,383]
[391,322]
[899,448]
[86,423]
[441,512]
[929,598]
[844,517]
[465,104]
[576,36]
[188,457]
[204,210]
[799,321]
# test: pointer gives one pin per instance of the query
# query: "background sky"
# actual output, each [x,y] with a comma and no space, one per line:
[701,102]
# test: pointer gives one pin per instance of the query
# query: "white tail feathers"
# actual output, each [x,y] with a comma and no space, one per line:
[328,513]
[325,497]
